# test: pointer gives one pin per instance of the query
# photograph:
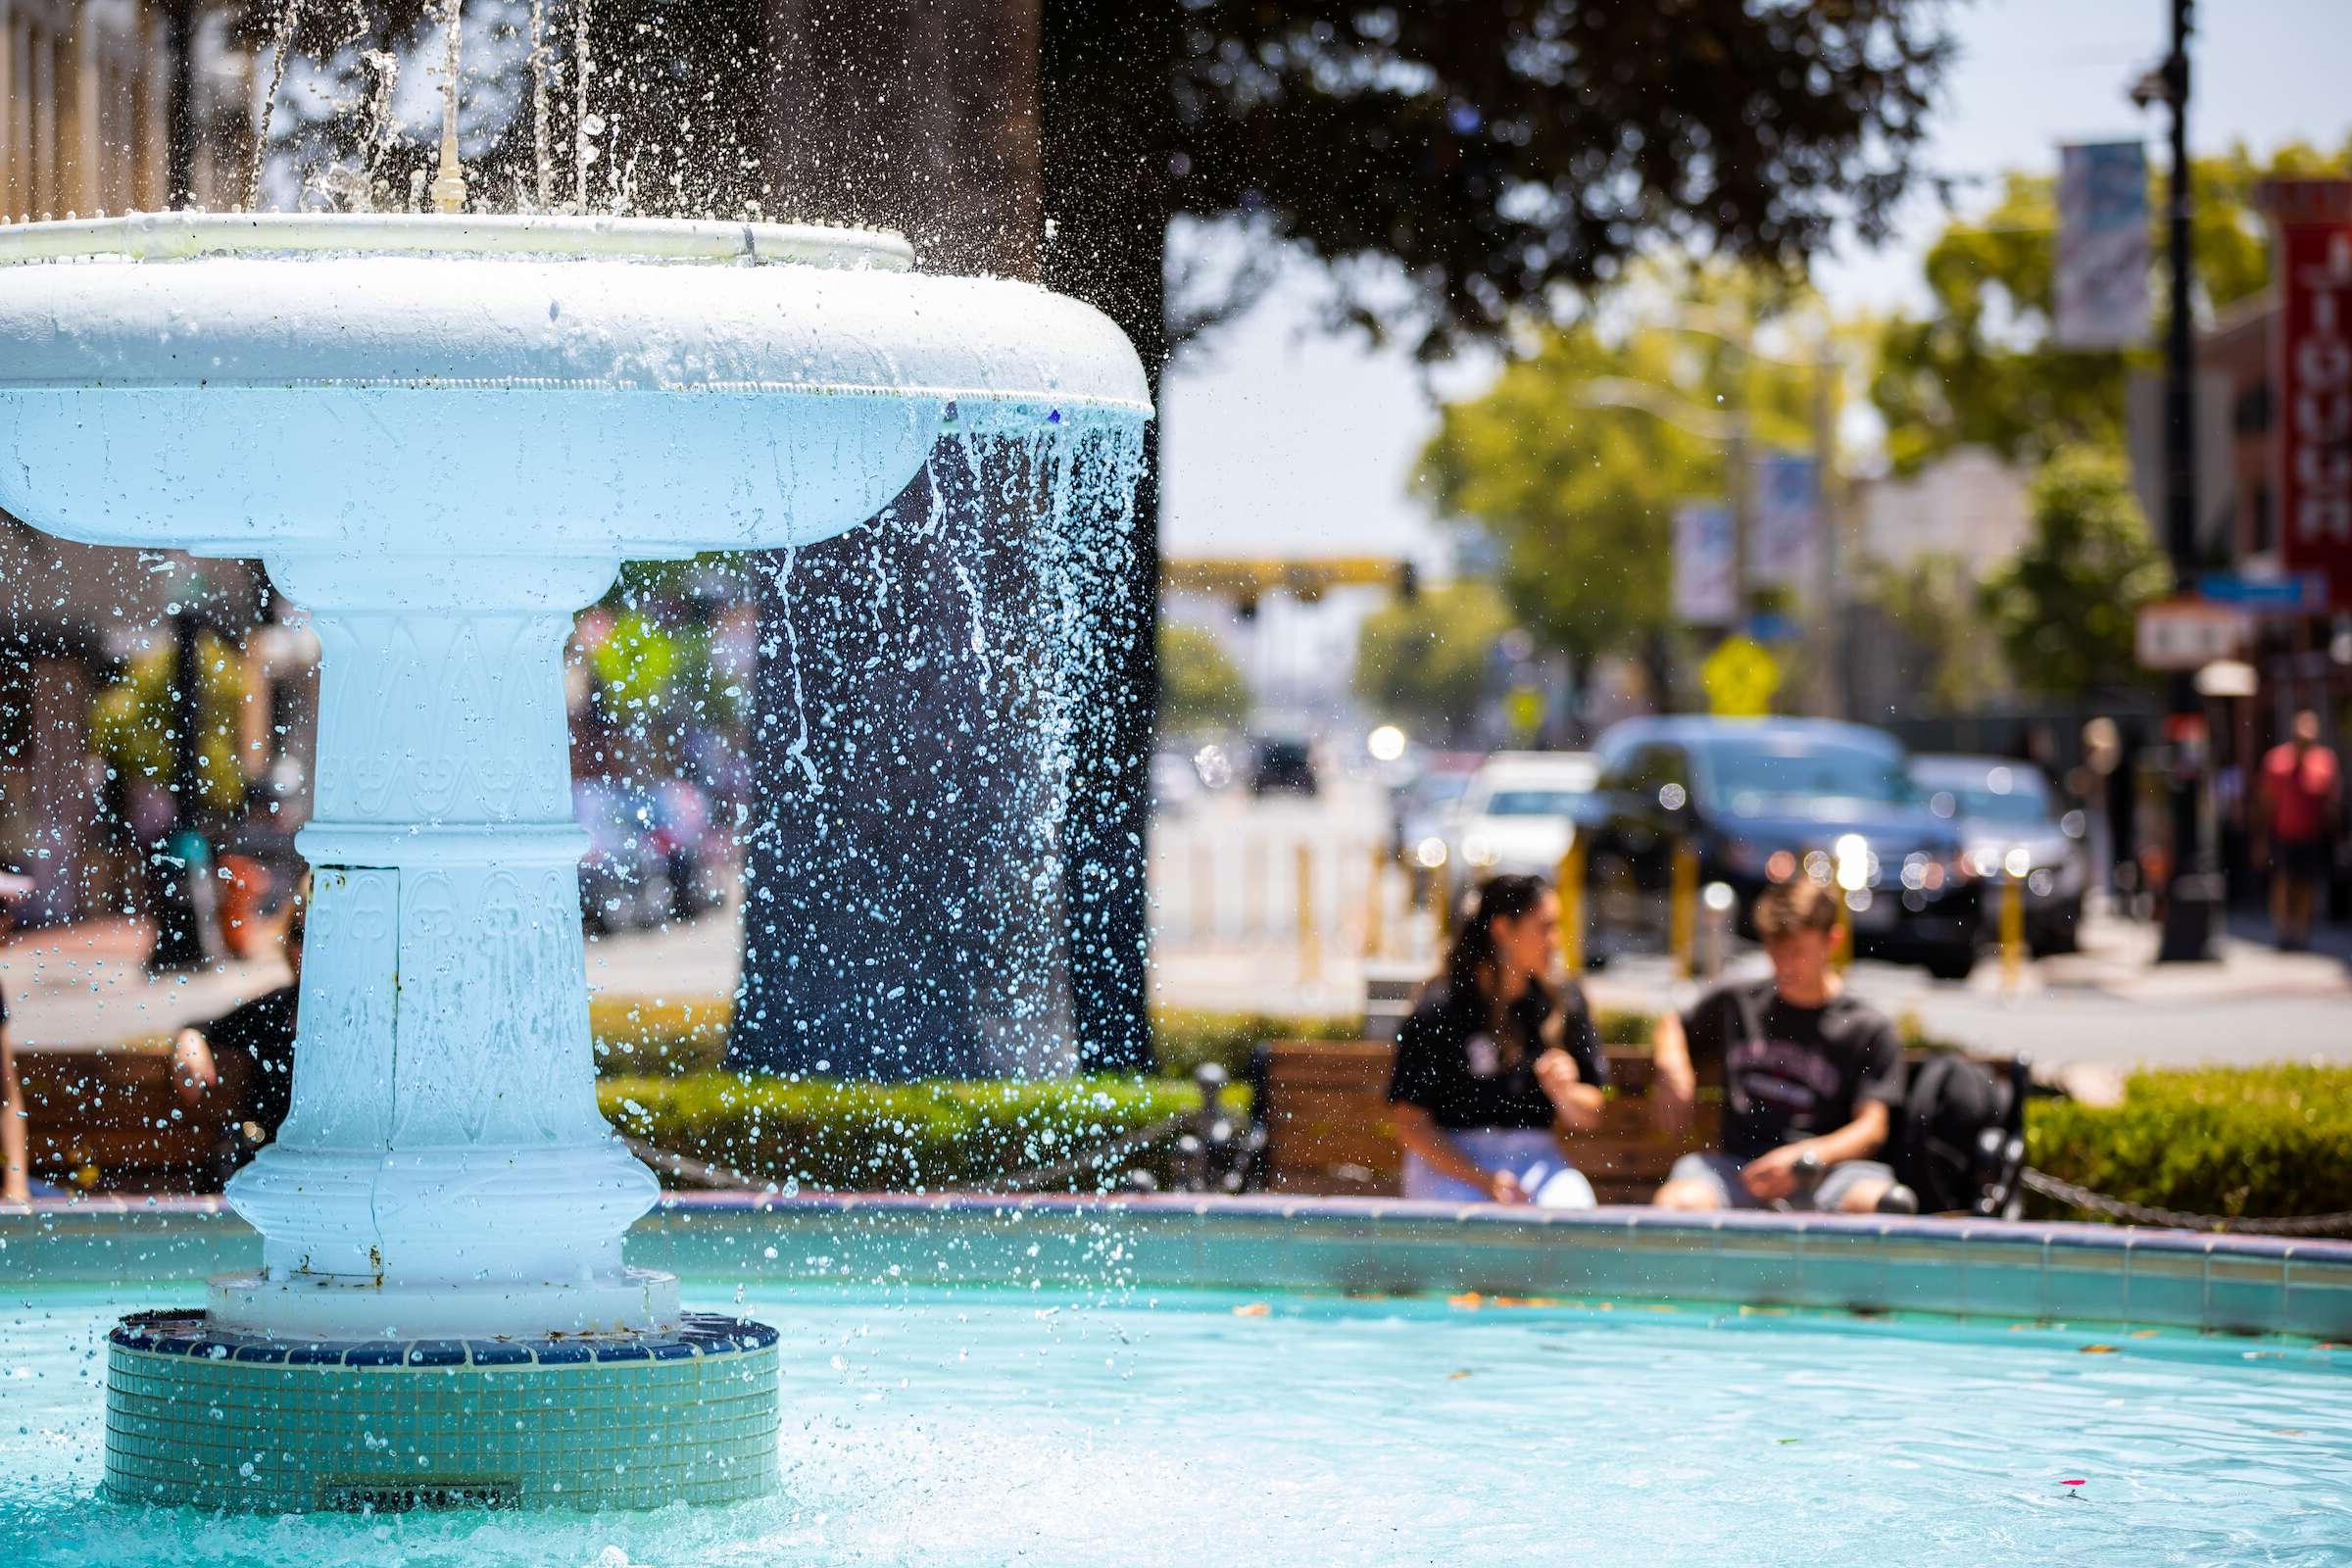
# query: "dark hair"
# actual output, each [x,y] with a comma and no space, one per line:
[1799,906]
[1470,963]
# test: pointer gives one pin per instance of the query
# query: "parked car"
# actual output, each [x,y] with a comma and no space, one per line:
[1518,815]
[2010,823]
[1421,810]
[1763,800]
[1280,765]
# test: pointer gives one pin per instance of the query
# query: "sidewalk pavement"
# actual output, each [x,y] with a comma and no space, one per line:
[88,986]
[2108,1006]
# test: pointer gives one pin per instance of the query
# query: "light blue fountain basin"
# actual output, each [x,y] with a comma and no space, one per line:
[973,1381]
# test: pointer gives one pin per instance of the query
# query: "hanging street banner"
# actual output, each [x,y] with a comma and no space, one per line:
[1784,523]
[2102,274]
[2310,371]
[1705,564]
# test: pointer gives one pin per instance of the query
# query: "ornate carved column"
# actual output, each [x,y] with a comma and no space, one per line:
[444,1128]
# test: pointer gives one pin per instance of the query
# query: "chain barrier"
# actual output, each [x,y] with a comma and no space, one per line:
[2082,1198]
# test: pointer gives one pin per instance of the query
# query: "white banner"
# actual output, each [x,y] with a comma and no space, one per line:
[1705,564]
[1785,515]
[2102,272]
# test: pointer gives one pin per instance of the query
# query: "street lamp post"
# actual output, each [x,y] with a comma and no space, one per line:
[2193,899]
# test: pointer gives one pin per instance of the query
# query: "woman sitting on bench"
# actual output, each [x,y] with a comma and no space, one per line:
[1495,1064]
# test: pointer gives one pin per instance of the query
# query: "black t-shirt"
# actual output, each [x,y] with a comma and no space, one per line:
[262,1031]
[1791,1073]
[1449,1063]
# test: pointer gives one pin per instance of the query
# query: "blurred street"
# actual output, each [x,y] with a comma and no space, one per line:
[1226,882]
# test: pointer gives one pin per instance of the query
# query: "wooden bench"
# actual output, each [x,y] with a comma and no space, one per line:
[107,1119]
[1329,1130]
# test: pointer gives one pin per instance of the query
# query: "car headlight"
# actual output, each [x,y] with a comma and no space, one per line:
[1430,852]
[1926,872]
[1479,851]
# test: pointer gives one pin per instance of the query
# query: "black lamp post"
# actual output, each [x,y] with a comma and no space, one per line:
[2192,902]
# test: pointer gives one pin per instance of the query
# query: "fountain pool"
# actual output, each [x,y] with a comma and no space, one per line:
[976,1382]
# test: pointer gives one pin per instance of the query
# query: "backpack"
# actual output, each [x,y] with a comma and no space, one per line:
[1960,1141]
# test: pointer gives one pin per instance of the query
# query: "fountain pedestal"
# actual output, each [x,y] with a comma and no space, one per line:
[444,1169]
[442,436]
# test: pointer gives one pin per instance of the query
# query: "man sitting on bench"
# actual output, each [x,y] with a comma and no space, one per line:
[1811,1077]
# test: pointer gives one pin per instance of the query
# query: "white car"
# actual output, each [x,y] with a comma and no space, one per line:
[1517,817]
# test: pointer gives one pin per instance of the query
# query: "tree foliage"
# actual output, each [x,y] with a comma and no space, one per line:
[1979,369]
[1200,687]
[1577,458]
[1935,617]
[2065,610]
[1426,661]
[1500,150]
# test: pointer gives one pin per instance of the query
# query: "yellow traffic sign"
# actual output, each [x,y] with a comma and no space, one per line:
[1740,676]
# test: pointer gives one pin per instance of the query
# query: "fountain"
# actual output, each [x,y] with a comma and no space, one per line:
[442,434]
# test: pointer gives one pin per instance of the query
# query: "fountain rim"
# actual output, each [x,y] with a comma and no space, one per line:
[186,236]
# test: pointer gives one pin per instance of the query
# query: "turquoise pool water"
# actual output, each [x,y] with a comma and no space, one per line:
[952,1427]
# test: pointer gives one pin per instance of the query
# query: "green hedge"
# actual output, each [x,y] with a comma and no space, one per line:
[640,1035]
[819,1133]
[2269,1142]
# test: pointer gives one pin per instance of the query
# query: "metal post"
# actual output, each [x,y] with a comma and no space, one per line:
[1828,637]
[1572,909]
[2013,930]
[179,864]
[1376,888]
[1682,912]
[1310,940]
[2191,903]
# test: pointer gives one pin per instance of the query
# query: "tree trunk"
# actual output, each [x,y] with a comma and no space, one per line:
[1106,104]
[877,938]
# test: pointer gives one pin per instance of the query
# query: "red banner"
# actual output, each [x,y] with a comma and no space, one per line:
[2312,373]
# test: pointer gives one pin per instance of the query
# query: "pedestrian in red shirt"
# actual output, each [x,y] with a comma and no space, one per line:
[2302,802]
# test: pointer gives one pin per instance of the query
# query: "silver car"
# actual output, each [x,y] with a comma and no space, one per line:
[2013,826]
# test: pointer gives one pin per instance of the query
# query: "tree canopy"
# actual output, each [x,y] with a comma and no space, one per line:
[2066,608]
[1200,687]
[1979,369]
[1426,661]
[1575,459]
[1500,150]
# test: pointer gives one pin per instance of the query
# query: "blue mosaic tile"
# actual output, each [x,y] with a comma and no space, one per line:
[271,1353]
[499,1352]
[316,1355]
[376,1352]
[622,1352]
[437,1353]
[562,1354]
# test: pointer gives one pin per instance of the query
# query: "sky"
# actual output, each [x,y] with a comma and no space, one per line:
[1280,440]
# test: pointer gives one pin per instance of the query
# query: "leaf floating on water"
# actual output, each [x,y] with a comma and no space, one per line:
[1456,1377]
[2289,1432]
[1785,1442]
[1527,1301]
[2098,1349]
[1468,1300]
[1253,1309]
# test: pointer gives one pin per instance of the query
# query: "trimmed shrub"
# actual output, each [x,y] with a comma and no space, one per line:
[824,1133]
[641,1035]
[2267,1143]
[1183,1038]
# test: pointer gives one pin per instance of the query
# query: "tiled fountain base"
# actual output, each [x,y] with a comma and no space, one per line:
[225,1420]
